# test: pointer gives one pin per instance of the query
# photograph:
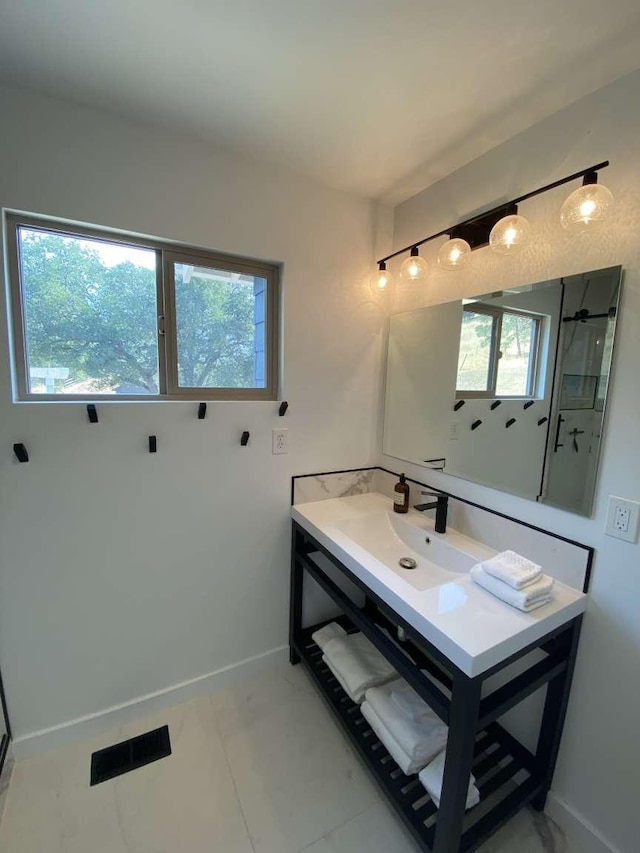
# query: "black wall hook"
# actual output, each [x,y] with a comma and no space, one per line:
[542,421]
[153,444]
[244,438]
[202,411]
[283,408]
[476,424]
[495,404]
[21,452]
[459,405]
[528,404]
[510,422]
[92,412]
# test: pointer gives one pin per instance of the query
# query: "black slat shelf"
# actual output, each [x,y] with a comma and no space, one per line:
[502,767]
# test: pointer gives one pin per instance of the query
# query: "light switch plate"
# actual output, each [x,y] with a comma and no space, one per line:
[622,519]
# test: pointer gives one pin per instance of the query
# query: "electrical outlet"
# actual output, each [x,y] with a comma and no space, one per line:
[622,519]
[279,441]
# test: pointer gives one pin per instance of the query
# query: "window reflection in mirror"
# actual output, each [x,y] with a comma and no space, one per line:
[499,352]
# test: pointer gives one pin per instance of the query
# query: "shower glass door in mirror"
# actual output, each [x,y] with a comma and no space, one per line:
[584,360]
[509,389]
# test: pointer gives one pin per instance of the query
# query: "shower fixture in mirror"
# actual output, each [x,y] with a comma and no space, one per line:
[509,389]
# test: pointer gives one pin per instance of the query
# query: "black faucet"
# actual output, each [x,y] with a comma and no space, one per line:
[440,505]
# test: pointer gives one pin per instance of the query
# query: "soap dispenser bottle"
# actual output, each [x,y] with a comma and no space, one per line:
[401,495]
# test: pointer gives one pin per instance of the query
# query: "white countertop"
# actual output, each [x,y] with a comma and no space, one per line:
[468,625]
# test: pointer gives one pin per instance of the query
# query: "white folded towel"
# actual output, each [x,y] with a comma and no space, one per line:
[404,762]
[339,678]
[329,632]
[513,569]
[432,776]
[357,664]
[408,701]
[420,739]
[527,599]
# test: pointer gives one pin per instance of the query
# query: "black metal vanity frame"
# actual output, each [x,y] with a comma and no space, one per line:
[507,774]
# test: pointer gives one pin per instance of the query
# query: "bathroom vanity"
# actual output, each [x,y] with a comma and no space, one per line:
[470,656]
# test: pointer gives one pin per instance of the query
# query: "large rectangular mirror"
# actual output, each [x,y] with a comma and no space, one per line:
[507,389]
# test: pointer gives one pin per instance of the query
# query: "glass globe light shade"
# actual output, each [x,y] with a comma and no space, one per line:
[380,280]
[454,254]
[586,208]
[413,268]
[510,234]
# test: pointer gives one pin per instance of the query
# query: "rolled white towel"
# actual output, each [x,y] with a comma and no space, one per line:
[357,664]
[329,632]
[404,761]
[513,569]
[531,597]
[432,776]
[420,739]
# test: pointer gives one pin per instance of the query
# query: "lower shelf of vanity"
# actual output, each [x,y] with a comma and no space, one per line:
[503,768]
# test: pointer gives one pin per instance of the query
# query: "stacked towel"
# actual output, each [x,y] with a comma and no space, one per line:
[529,598]
[408,701]
[394,749]
[331,631]
[513,569]
[412,743]
[432,776]
[357,664]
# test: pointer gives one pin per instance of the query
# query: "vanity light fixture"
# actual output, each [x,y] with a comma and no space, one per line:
[454,254]
[587,207]
[510,234]
[414,267]
[381,279]
[505,229]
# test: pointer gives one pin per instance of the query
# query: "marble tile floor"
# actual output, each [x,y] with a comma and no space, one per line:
[258,767]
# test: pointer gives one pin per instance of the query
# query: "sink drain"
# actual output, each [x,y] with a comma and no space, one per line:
[407,562]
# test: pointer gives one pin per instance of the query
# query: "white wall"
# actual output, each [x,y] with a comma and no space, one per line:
[598,769]
[124,573]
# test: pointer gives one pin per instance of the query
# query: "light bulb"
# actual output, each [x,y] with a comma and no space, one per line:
[381,279]
[586,208]
[414,267]
[454,254]
[510,234]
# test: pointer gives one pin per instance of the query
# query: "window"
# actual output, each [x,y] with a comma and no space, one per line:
[498,352]
[99,315]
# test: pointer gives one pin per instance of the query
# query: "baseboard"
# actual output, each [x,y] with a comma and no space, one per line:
[87,726]
[580,833]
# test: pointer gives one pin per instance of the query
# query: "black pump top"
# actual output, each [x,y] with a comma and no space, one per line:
[402,478]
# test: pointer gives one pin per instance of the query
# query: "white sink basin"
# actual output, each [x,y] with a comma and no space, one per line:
[388,537]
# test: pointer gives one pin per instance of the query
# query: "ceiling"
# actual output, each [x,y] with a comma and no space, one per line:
[377,97]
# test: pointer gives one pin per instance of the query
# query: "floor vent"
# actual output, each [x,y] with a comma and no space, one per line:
[129,755]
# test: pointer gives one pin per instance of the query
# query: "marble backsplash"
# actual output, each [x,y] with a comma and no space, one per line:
[321,487]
